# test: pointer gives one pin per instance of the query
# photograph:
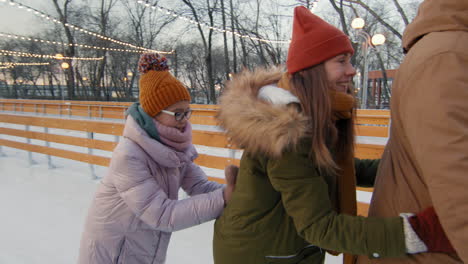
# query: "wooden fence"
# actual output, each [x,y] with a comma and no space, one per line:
[38,113]
[372,123]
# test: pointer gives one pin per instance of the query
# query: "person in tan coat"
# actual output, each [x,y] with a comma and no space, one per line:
[425,162]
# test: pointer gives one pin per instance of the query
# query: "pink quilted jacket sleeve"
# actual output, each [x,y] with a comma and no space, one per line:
[145,197]
[195,181]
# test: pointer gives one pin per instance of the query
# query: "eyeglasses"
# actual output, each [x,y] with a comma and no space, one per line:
[179,115]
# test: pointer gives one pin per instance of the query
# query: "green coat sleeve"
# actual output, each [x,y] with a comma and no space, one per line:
[304,195]
[366,170]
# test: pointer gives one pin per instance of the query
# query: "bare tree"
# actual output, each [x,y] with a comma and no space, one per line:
[234,53]
[401,12]
[102,20]
[377,16]
[70,51]
[144,27]
[226,52]
[207,40]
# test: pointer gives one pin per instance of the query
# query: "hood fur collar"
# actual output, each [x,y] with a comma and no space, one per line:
[256,125]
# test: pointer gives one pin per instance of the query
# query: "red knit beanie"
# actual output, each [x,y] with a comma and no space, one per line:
[314,41]
[158,88]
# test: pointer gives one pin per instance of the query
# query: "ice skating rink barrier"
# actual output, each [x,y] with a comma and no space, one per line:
[106,118]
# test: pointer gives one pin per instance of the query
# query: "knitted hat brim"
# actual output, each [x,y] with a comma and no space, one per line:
[159,90]
[314,55]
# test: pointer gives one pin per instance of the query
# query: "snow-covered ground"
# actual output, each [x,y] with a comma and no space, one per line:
[43,212]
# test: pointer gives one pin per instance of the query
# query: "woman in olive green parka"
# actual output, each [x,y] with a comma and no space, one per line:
[297,171]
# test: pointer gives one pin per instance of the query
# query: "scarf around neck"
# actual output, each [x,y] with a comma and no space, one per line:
[342,105]
[173,137]
[168,136]
[143,120]
[345,191]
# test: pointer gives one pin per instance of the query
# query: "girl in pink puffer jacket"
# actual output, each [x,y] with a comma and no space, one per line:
[136,206]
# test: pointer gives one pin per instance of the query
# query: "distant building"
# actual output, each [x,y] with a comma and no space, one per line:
[380,87]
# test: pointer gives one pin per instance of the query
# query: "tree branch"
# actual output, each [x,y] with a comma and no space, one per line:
[401,11]
[374,14]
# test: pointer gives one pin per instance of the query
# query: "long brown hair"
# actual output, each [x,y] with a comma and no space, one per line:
[331,140]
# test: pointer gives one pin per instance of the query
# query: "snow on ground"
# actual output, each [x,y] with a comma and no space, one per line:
[43,212]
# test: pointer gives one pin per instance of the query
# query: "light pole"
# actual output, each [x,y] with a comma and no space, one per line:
[130,88]
[64,66]
[125,79]
[368,42]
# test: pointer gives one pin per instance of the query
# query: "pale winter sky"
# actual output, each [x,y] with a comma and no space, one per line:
[20,22]
[17,21]
[14,20]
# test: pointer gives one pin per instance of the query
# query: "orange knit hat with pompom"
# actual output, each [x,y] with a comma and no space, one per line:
[314,41]
[158,88]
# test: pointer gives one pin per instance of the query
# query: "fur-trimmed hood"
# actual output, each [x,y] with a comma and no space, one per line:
[255,125]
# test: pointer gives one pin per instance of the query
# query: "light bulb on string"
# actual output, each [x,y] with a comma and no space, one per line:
[170,12]
[32,55]
[89,32]
[72,44]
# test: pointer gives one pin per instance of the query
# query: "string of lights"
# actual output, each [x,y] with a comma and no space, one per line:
[138,49]
[232,32]
[314,4]
[13,36]
[32,55]
[10,65]
[77,28]
[24,63]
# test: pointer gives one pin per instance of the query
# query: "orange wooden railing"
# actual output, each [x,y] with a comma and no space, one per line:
[14,113]
[373,123]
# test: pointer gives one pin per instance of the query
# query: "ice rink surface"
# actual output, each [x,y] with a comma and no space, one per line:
[43,212]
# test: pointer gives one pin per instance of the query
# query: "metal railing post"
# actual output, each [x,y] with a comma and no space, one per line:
[28,140]
[389,126]
[69,109]
[1,152]
[49,158]
[232,155]
[90,152]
